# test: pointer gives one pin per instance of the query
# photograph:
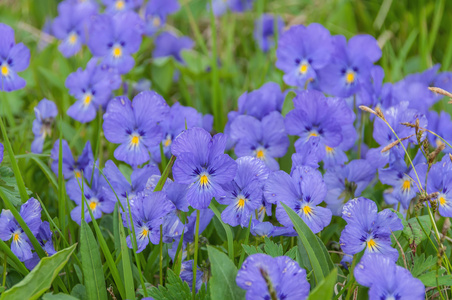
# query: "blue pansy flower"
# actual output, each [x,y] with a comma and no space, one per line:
[440,180]
[71,167]
[441,124]
[386,280]
[186,274]
[114,42]
[244,193]
[302,191]
[367,229]
[10,229]
[219,7]
[302,52]
[264,31]
[167,44]
[266,139]
[265,277]
[44,238]
[156,13]
[121,6]
[267,229]
[201,162]
[14,58]
[135,125]
[45,113]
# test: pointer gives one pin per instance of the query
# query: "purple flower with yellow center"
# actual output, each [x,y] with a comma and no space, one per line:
[302,52]
[264,139]
[350,64]
[347,182]
[264,31]
[96,198]
[148,213]
[71,26]
[30,212]
[121,6]
[45,113]
[244,193]
[201,162]
[367,229]
[115,42]
[386,280]
[92,88]
[440,180]
[13,58]
[265,277]
[167,44]
[135,125]
[71,167]
[156,13]
[44,238]
[302,191]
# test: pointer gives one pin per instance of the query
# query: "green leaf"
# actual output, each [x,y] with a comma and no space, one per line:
[250,249]
[41,277]
[47,172]
[195,62]
[126,265]
[224,272]
[79,292]
[429,279]
[60,296]
[175,289]
[288,103]
[8,185]
[91,264]
[315,249]
[162,74]
[413,231]
[273,249]
[325,289]
[292,252]
[421,264]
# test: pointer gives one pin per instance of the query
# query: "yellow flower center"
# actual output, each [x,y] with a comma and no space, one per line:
[119,5]
[241,202]
[307,210]
[72,38]
[303,68]
[93,205]
[135,140]
[204,180]
[371,244]
[350,77]
[16,237]
[313,133]
[117,51]
[329,150]
[406,186]
[260,154]
[167,142]
[156,21]
[145,232]
[78,174]
[87,100]
[5,70]
[442,200]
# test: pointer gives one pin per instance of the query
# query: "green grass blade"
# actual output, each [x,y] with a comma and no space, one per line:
[165,175]
[127,267]
[227,229]
[325,289]
[47,172]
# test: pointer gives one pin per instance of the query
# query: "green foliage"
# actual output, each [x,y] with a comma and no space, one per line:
[41,277]
[414,230]
[8,185]
[421,264]
[325,289]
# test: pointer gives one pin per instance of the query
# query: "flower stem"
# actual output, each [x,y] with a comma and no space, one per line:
[242,255]
[161,255]
[195,258]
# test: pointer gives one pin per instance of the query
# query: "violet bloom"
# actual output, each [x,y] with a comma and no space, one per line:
[219,7]
[156,13]
[44,238]
[347,182]
[244,193]
[367,229]
[2,148]
[121,6]
[92,88]
[94,193]
[114,42]
[13,58]
[45,113]
[71,26]
[167,44]
[440,180]
[302,191]
[264,31]
[267,229]
[440,124]
[266,277]
[374,92]
[135,125]
[186,274]
[122,187]
[302,52]
[148,213]
[350,64]
[266,139]
[30,211]
[202,163]
[386,280]
[71,167]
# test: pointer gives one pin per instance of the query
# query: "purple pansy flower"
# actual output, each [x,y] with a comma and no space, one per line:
[367,229]
[201,162]
[13,58]
[167,44]
[267,229]
[45,113]
[263,276]
[92,88]
[350,65]
[71,26]
[441,124]
[302,191]
[156,13]
[302,52]
[219,7]
[114,42]
[135,125]
[121,6]
[266,139]
[71,167]
[244,193]
[186,274]
[30,211]
[44,238]
[440,180]
[264,31]
[148,213]
[386,280]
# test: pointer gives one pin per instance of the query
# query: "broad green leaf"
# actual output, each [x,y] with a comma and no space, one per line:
[60,296]
[8,185]
[292,252]
[429,279]
[224,272]
[162,75]
[413,231]
[421,264]
[91,265]
[325,289]
[41,277]
[126,265]
[195,62]
[273,249]
[250,249]
[288,103]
